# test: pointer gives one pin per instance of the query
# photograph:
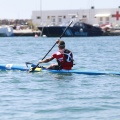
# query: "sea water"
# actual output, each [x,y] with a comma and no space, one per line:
[48,96]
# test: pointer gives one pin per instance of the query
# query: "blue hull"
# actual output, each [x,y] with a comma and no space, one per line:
[76,71]
[79,29]
[86,72]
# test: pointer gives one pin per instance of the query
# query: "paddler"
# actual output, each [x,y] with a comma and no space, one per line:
[63,56]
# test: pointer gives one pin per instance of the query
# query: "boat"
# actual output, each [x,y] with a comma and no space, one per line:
[26,32]
[24,67]
[6,31]
[78,29]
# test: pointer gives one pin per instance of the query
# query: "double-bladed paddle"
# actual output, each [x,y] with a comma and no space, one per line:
[32,69]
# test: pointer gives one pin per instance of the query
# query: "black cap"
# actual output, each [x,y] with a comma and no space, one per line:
[61,43]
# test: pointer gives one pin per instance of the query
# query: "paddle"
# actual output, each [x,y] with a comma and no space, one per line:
[32,69]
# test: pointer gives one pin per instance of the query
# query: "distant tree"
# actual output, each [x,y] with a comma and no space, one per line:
[32,26]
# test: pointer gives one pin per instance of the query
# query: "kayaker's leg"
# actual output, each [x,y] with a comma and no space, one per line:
[53,67]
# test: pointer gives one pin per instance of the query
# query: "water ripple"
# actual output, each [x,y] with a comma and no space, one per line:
[47,96]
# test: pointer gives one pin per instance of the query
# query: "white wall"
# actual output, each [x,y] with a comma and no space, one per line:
[53,17]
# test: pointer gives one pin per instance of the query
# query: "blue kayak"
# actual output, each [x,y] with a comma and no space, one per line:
[4,67]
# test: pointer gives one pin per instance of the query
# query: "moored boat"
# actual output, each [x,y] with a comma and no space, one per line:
[78,29]
[6,31]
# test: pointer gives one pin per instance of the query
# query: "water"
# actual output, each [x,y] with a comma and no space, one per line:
[47,96]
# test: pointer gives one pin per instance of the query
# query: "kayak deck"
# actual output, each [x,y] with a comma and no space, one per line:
[76,71]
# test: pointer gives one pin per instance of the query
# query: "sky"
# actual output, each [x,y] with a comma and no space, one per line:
[22,9]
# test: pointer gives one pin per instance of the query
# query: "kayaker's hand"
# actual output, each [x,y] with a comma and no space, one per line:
[41,61]
[57,41]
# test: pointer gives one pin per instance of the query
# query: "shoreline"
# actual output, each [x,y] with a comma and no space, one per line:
[25,32]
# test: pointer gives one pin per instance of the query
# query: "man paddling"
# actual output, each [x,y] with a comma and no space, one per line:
[63,56]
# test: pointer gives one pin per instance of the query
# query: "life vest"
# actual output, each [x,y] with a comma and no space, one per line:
[67,62]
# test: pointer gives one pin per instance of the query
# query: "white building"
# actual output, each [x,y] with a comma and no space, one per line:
[91,16]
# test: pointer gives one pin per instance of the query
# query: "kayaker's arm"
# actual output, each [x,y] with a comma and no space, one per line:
[46,60]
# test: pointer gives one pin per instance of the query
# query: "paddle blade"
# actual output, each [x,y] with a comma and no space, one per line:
[32,69]
[35,69]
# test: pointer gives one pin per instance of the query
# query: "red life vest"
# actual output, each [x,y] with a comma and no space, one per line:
[65,59]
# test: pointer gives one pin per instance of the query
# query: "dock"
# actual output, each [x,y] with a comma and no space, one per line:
[26,32]
[112,32]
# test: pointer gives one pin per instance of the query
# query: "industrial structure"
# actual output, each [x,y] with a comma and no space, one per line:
[91,16]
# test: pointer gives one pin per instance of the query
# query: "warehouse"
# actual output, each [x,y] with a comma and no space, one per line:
[92,16]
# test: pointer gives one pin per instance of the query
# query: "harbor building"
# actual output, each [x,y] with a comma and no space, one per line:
[92,16]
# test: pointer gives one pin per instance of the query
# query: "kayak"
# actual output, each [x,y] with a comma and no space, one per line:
[4,67]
